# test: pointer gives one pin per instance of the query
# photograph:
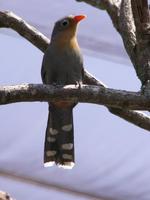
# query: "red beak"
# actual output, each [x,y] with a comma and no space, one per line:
[78,18]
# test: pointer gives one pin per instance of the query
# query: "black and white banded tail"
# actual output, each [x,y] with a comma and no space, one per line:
[59,141]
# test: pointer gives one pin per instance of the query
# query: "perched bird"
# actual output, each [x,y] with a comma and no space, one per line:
[62,65]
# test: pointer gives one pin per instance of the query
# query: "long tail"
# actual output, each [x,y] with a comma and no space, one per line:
[59,141]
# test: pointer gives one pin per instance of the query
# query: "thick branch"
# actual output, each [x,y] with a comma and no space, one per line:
[142,22]
[86,94]
[137,118]
[41,42]
[141,15]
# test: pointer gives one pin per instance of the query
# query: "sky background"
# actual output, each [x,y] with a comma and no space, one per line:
[112,155]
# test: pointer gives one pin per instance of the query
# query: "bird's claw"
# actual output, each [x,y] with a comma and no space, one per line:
[78,84]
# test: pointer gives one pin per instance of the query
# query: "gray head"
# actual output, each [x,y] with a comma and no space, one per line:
[67,25]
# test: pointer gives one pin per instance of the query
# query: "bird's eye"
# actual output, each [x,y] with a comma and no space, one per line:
[65,23]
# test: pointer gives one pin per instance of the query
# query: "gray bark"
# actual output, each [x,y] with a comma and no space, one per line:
[85,94]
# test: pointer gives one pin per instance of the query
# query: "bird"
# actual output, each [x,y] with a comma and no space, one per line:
[62,65]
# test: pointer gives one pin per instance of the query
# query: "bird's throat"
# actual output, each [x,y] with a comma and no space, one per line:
[63,42]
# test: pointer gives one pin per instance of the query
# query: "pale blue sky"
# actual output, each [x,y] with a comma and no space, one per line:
[111,151]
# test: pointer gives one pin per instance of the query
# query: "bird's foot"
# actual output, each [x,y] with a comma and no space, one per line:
[78,84]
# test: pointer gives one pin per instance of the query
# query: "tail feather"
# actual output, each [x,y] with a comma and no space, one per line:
[59,141]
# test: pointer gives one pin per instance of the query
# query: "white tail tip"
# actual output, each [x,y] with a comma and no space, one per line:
[49,164]
[67,165]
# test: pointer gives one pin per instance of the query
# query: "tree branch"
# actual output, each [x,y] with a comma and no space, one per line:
[127,28]
[10,20]
[141,17]
[85,94]
[137,118]
[131,19]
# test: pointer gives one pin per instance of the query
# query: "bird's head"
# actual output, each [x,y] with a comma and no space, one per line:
[66,27]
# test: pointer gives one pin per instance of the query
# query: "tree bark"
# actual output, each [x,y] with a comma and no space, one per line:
[85,94]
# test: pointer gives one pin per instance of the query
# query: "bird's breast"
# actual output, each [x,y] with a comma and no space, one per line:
[67,53]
